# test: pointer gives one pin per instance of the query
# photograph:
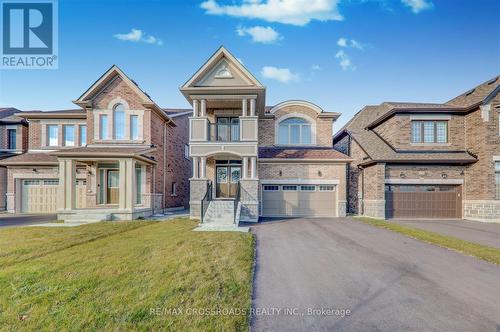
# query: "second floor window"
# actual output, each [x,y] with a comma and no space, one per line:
[294,131]
[12,137]
[119,121]
[83,135]
[69,135]
[134,127]
[52,135]
[429,131]
[103,126]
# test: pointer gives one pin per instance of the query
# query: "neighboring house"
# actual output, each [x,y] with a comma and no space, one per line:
[250,160]
[416,160]
[118,156]
[13,141]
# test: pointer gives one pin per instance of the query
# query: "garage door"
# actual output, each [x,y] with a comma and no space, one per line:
[423,201]
[292,200]
[39,196]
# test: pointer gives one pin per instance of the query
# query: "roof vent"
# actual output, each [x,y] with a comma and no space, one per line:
[492,81]
[468,93]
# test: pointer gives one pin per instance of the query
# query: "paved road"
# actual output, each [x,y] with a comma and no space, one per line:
[388,281]
[480,232]
[10,220]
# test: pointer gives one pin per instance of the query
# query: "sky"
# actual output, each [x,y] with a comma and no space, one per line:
[338,54]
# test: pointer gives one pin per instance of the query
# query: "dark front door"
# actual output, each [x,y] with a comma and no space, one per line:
[227,179]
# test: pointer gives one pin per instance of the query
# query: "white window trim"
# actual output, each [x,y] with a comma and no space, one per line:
[110,111]
[307,118]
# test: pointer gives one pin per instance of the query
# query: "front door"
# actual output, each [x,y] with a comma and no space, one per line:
[113,187]
[227,179]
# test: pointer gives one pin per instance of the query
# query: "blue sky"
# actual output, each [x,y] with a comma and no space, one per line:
[339,54]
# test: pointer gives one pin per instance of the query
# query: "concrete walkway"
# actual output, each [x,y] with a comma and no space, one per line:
[484,233]
[309,272]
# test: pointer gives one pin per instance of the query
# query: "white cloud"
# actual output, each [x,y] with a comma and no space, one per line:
[315,67]
[418,5]
[294,12]
[345,42]
[259,34]
[344,60]
[283,75]
[138,36]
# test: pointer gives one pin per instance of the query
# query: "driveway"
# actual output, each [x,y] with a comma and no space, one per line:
[388,281]
[484,233]
[16,220]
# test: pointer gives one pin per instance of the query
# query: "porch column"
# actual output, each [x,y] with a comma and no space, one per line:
[203,168]
[195,167]
[130,188]
[203,104]
[122,199]
[253,166]
[195,108]
[252,107]
[244,107]
[245,168]
[67,184]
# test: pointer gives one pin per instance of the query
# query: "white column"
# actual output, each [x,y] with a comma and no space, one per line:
[244,107]
[253,166]
[196,104]
[252,107]
[245,168]
[203,104]
[61,203]
[130,187]
[195,167]
[203,168]
[122,176]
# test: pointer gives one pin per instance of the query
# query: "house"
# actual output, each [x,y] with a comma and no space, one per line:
[117,156]
[417,160]
[252,161]
[13,141]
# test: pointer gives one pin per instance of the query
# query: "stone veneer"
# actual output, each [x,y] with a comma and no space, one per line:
[249,199]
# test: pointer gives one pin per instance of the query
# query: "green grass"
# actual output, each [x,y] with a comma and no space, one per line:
[124,276]
[486,253]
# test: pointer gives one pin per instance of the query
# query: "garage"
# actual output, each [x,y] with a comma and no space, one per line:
[299,200]
[423,201]
[39,195]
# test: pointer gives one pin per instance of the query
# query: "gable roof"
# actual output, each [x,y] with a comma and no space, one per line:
[479,94]
[9,115]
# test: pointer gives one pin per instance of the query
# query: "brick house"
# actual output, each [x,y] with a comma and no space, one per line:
[13,141]
[250,160]
[417,160]
[118,156]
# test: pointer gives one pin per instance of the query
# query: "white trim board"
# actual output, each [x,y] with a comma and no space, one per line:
[424,181]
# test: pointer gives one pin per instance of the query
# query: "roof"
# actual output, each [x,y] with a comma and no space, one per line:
[31,158]
[301,153]
[96,150]
[477,94]
[68,113]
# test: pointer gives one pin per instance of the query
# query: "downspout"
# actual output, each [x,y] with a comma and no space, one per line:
[362,203]
[164,166]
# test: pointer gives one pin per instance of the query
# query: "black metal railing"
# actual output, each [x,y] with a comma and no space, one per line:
[236,200]
[223,132]
[206,201]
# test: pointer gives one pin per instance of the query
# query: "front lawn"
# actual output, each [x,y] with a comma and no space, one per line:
[486,253]
[122,276]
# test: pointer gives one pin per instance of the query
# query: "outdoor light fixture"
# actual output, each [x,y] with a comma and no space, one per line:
[444,175]
[281,173]
[402,175]
[35,170]
[319,173]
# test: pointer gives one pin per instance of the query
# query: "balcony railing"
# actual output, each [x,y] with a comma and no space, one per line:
[223,132]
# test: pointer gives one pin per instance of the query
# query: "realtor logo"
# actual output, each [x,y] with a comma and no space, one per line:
[29,34]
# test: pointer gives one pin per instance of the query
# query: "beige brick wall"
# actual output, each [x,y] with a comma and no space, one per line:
[426,172]
[374,182]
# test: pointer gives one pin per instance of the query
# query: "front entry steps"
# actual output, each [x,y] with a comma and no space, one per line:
[220,217]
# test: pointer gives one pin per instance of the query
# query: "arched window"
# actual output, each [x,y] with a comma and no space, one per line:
[119,121]
[294,131]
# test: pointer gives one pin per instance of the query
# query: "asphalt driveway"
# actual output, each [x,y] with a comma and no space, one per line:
[388,281]
[484,233]
[16,220]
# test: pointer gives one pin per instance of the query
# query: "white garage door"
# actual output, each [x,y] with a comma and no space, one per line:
[39,196]
[304,200]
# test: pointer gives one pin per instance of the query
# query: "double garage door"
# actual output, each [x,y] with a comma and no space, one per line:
[40,195]
[303,200]
[423,201]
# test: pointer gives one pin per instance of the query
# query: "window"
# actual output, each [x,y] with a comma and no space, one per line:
[326,188]
[51,182]
[31,182]
[271,188]
[429,131]
[289,188]
[83,135]
[186,151]
[228,129]
[119,121]
[308,188]
[497,180]
[11,139]
[294,131]
[174,189]
[103,126]
[69,135]
[134,127]
[138,185]
[52,135]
